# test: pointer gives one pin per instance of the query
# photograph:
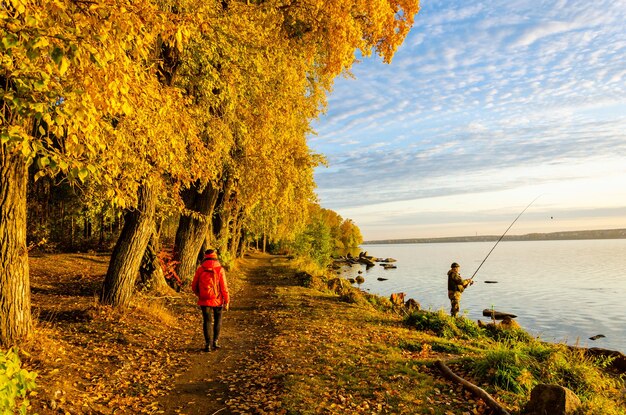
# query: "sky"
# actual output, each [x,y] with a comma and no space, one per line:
[486,107]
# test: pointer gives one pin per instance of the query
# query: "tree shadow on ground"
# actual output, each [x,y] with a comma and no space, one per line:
[82,288]
[63,316]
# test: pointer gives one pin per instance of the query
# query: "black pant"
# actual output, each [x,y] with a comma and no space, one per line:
[206,323]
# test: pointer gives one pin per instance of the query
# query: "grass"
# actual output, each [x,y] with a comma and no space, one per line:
[384,360]
[442,325]
[351,358]
[155,309]
[517,366]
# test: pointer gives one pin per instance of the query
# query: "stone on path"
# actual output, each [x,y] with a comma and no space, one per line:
[551,399]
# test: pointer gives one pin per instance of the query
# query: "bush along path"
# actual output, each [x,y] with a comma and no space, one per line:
[286,349]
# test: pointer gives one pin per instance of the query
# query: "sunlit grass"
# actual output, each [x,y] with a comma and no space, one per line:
[361,356]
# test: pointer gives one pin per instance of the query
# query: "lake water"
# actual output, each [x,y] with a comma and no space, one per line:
[564,291]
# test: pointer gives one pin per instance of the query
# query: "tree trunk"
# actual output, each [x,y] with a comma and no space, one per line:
[15,317]
[152,277]
[264,241]
[216,220]
[236,233]
[243,244]
[72,234]
[101,240]
[192,230]
[129,250]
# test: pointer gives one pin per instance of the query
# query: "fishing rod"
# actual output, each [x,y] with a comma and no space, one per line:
[507,229]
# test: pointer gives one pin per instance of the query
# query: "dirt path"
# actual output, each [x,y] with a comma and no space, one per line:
[216,381]
[286,349]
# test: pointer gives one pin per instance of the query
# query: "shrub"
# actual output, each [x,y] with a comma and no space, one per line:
[15,383]
[519,366]
[443,325]
[508,334]
[469,328]
[507,368]
[307,280]
[576,371]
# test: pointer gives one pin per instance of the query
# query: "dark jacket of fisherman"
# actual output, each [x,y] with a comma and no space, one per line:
[455,282]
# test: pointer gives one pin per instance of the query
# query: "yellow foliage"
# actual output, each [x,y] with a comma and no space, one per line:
[116,93]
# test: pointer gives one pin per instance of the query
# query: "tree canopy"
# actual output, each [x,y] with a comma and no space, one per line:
[192,109]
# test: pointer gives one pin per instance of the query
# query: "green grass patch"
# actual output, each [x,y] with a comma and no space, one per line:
[517,367]
[443,325]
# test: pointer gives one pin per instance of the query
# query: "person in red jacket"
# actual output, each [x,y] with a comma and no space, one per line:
[209,284]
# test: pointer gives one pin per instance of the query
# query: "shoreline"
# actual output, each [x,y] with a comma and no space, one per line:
[383,283]
[551,236]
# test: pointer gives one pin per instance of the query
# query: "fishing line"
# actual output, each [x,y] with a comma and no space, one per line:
[507,229]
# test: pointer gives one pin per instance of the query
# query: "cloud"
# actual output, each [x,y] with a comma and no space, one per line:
[480,98]
[452,15]
[545,29]
[473,160]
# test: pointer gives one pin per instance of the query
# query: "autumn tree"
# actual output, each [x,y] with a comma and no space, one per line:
[207,104]
[274,53]
[350,234]
[324,233]
[74,76]
[315,241]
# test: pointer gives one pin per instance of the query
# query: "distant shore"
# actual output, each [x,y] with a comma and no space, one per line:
[552,236]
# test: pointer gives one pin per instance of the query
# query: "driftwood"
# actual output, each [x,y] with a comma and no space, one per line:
[497,315]
[479,392]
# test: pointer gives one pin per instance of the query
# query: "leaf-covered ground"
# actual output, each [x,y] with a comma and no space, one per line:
[286,350]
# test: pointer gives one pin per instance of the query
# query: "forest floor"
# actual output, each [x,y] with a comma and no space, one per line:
[286,349]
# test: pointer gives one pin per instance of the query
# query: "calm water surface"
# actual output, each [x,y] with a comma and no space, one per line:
[565,291]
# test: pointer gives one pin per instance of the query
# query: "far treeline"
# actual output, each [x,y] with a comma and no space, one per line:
[552,236]
[134,124]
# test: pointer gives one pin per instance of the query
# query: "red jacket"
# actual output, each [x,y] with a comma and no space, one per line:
[209,283]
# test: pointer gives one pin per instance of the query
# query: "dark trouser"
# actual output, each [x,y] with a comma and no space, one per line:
[206,323]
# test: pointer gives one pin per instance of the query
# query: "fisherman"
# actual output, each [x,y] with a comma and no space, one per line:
[456,285]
